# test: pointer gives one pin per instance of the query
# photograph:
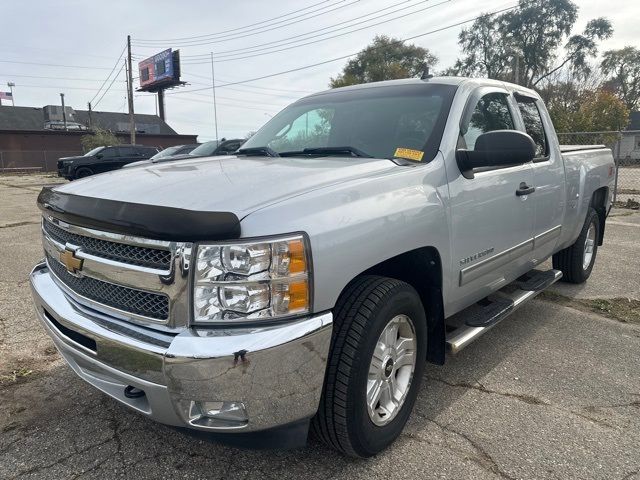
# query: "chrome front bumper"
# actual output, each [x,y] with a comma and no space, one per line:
[275,372]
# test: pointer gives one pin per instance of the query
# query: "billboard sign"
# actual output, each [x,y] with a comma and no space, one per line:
[160,71]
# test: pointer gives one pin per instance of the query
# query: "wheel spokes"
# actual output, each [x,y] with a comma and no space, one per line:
[374,390]
[391,369]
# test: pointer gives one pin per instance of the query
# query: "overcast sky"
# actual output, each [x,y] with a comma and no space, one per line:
[88,36]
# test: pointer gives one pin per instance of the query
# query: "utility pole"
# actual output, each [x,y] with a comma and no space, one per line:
[64,113]
[213,87]
[161,102]
[90,119]
[11,85]
[516,69]
[132,121]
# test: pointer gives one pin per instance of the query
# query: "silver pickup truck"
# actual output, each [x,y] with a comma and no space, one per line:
[305,281]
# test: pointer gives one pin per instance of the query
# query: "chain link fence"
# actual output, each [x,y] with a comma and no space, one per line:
[32,160]
[625,146]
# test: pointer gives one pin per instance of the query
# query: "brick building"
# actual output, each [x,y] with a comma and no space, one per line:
[34,138]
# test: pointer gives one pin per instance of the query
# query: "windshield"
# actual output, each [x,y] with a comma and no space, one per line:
[205,149]
[378,121]
[93,152]
[166,152]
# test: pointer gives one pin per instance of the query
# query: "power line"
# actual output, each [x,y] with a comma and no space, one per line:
[269,94]
[233,29]
[237,100]
[58,87]
[224,53]
[252,55]
[109,87]
[9,75]
[251,33]
[250,86]
[230,104]
[225,33]
[108,76]
[54,65]
[343,57]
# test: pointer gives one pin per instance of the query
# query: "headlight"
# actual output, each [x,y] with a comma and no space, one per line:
[263,279]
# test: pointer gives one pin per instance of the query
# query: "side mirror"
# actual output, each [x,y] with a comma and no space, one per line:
[499,148]
[99,156]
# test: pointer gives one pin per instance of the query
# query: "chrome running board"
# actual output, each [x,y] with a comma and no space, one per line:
[484,315]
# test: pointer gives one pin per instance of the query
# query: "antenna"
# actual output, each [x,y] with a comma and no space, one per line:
[425,73]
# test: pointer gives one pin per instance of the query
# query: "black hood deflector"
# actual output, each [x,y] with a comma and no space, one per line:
[150,221]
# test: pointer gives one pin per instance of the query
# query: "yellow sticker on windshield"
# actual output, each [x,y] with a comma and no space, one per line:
[409,153]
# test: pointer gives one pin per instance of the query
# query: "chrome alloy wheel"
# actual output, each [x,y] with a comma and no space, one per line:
[589,245]
[391,370]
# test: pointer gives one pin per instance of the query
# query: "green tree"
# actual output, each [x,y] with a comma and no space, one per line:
[529,40]
[385,58]
[99,138]
[487,54]
[596,111]
[623,69]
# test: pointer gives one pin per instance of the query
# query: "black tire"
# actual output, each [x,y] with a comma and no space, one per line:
[83,172]
[570,260]
[360,315]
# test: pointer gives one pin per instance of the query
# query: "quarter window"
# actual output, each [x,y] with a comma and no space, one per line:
[491,113]
[533,124]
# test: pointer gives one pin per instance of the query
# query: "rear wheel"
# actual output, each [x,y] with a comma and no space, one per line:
[376,362]
[83,172]
[576,262]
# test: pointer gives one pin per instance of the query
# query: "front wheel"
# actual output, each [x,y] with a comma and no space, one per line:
[83,172]
[576,262]
[375,365]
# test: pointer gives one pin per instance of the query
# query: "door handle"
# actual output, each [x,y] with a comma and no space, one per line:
[524,189]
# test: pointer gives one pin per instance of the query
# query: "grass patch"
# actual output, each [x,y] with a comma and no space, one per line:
[626,310]
[15,376]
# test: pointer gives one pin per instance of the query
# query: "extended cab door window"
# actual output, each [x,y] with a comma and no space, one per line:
[533,125]
[490,113]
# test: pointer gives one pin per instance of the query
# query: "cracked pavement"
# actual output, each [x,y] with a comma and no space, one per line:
[551,392]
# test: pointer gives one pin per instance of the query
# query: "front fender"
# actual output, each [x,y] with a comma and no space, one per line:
[356,225]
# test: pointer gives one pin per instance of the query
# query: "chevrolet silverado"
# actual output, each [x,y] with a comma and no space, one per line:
[303,282]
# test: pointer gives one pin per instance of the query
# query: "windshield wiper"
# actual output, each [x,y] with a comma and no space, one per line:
[253,151]
[342,151]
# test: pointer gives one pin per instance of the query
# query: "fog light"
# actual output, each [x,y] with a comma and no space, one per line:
[218,414]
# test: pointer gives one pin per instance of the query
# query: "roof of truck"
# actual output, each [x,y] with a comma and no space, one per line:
[435,80]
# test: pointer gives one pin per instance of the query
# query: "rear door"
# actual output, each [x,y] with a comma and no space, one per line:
[548,177]
[492,227]
[128,155]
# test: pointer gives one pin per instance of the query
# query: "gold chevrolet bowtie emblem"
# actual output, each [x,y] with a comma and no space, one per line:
[69,259]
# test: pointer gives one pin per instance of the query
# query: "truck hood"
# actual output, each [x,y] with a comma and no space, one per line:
[239,185]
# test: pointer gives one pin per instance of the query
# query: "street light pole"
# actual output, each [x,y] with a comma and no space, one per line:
[11,85]
[213,86]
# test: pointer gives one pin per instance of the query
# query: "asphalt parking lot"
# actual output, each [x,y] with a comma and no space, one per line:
[552,392]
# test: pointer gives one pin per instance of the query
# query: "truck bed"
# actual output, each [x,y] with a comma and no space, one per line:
[579,148]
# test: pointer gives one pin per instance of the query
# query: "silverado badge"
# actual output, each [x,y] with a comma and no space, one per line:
[69,260]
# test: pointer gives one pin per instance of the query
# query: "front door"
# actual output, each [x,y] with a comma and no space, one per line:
[492,226]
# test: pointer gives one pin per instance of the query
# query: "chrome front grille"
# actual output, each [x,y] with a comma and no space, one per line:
[131,254]
[131,278]
[126,299]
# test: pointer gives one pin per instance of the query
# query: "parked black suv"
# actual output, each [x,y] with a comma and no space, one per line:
[103,159]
